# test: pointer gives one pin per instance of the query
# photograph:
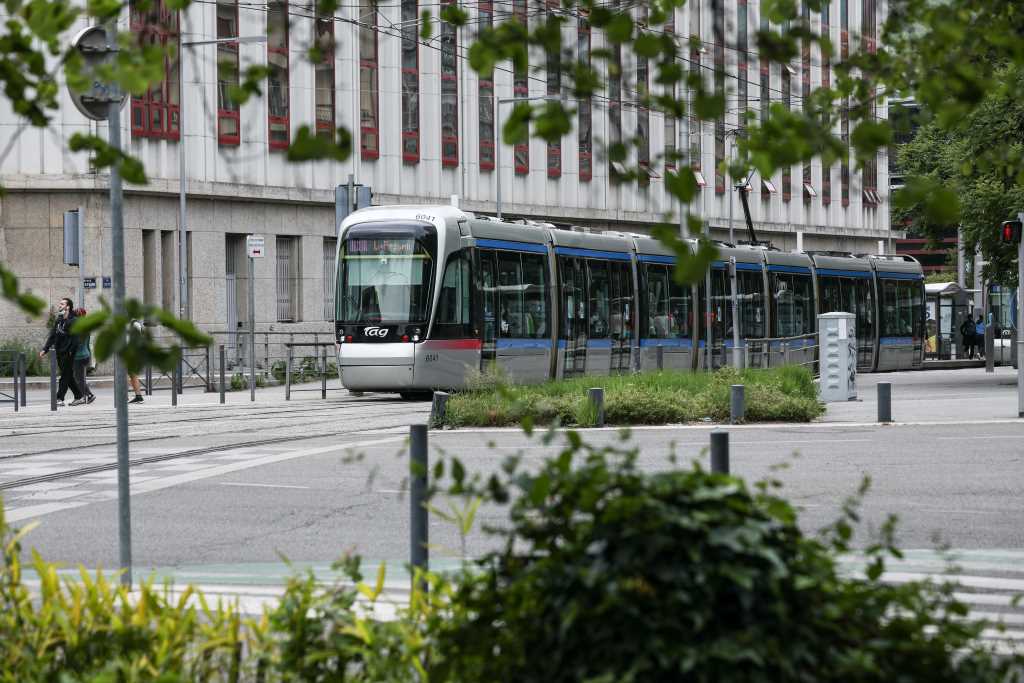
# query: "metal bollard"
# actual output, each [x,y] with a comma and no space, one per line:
[746,355]
[24,379]
[438,408]
[737,404]
[179,373]
[288,376]
[174,383]
[209,369]
[222,373]
[596,398]
[53,380]
[990,348]
[418,522]
[661,357]
[149,380]
[719,452]
[785,353]
[16,375]
[884,402]
[323,375]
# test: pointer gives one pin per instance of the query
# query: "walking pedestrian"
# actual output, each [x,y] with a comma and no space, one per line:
[65,345]
[979,336]
[133,379]
[83,358]
[967,332]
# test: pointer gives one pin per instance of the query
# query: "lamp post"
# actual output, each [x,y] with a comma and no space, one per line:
[182,197]
[497,149]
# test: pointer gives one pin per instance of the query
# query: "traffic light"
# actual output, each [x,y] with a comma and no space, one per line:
[1009,232]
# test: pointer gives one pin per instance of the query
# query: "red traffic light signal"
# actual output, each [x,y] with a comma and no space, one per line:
[1010,232]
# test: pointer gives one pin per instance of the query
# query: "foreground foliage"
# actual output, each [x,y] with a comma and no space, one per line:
[781,394]
[605,573]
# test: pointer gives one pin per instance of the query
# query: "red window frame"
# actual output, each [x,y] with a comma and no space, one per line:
[485,97]
[450,88]
[152,114]
[585,140]
[521,88]
[410,74]
[325,126]
[281,51]
[369,133]
[554,89]
[224,115]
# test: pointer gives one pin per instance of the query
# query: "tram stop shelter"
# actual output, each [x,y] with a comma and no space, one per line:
[947,305]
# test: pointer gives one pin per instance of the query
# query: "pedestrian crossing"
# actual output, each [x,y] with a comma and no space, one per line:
[989,582]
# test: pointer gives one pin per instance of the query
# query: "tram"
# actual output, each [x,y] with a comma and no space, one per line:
[429,295]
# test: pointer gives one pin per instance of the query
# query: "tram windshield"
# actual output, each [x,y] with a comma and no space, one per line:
[384,278]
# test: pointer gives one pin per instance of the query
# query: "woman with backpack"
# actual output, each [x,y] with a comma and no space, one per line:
[967,332]
[83,357]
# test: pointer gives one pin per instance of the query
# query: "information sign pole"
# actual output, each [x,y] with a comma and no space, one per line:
[254,247]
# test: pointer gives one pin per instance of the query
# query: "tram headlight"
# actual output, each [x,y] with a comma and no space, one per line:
[416,334]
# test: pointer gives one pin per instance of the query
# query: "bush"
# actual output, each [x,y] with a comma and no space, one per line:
[35,366]
[781,394]
[608,573]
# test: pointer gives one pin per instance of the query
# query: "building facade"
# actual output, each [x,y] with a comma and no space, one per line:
[425,128]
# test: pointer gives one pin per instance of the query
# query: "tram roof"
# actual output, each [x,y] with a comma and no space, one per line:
[787,258]
[514,232]
[407,212]
[895,263]
[836,262]
[591,240]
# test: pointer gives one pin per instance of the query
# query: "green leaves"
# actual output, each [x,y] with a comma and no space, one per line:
[116,335]
[452,14]
[249,86]
[105,156]
[27,302]
[308,146]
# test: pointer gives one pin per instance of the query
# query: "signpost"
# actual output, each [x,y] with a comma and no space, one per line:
[254,246]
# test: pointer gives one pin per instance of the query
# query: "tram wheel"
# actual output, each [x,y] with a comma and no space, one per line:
[416,395]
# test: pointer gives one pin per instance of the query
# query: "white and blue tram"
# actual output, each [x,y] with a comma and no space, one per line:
[426,295]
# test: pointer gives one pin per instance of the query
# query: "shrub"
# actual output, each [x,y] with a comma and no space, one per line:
[608,573]
[34,365]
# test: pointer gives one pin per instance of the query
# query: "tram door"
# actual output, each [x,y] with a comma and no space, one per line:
[572,333]
[621,316]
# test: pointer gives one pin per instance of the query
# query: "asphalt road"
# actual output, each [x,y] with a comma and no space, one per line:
[310,479]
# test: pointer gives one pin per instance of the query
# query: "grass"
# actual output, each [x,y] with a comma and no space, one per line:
[777,395]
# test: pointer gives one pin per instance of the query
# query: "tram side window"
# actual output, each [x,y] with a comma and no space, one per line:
[721,306]
[751,303]
[510,295]
[865,293]
[917,308]
[901,309]
[535,272]
[487,283]
[831,295]
[658,321]
[793,304]
[621,300]
[680,308]
[574,300]
[453,306]
[599,298]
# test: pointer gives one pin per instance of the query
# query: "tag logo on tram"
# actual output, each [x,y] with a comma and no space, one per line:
[376,332]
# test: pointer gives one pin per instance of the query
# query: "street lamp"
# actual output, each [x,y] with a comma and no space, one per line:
[182,210]
[497,151]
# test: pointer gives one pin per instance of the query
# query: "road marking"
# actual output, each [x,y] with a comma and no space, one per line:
[975,438]
[262,486]
[158,483]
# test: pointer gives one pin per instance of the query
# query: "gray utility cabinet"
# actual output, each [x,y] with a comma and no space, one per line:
[837,344]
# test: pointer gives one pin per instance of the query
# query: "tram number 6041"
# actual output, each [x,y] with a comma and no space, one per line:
[430,358]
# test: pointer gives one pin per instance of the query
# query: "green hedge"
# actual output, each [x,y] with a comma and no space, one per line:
[782,395]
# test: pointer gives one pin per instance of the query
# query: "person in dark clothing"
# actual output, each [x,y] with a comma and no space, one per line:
[82,359]
[66,345]
[967,332]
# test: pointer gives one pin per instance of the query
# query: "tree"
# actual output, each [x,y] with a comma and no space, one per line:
[974,158]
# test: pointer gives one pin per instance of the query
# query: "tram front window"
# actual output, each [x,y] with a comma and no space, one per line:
[384,279]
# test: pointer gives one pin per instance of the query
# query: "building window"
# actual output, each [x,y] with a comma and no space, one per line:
[643,113]
[719,47]
[521,89]
[615,105]
[228,125]
[554,89]
[449,93]
[826,79]
[584,111]
[670,120]
[324,74]
[288,259]
[693,125]
[787,101]
[870,172]
[805,89]
[844,121]
[369,104]
[765,96]
[330,282]
[279,93]
[410,82]
[155,113]
[486,96]
[742,60]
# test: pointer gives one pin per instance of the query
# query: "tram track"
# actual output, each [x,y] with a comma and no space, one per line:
[94,469]
[399,410]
